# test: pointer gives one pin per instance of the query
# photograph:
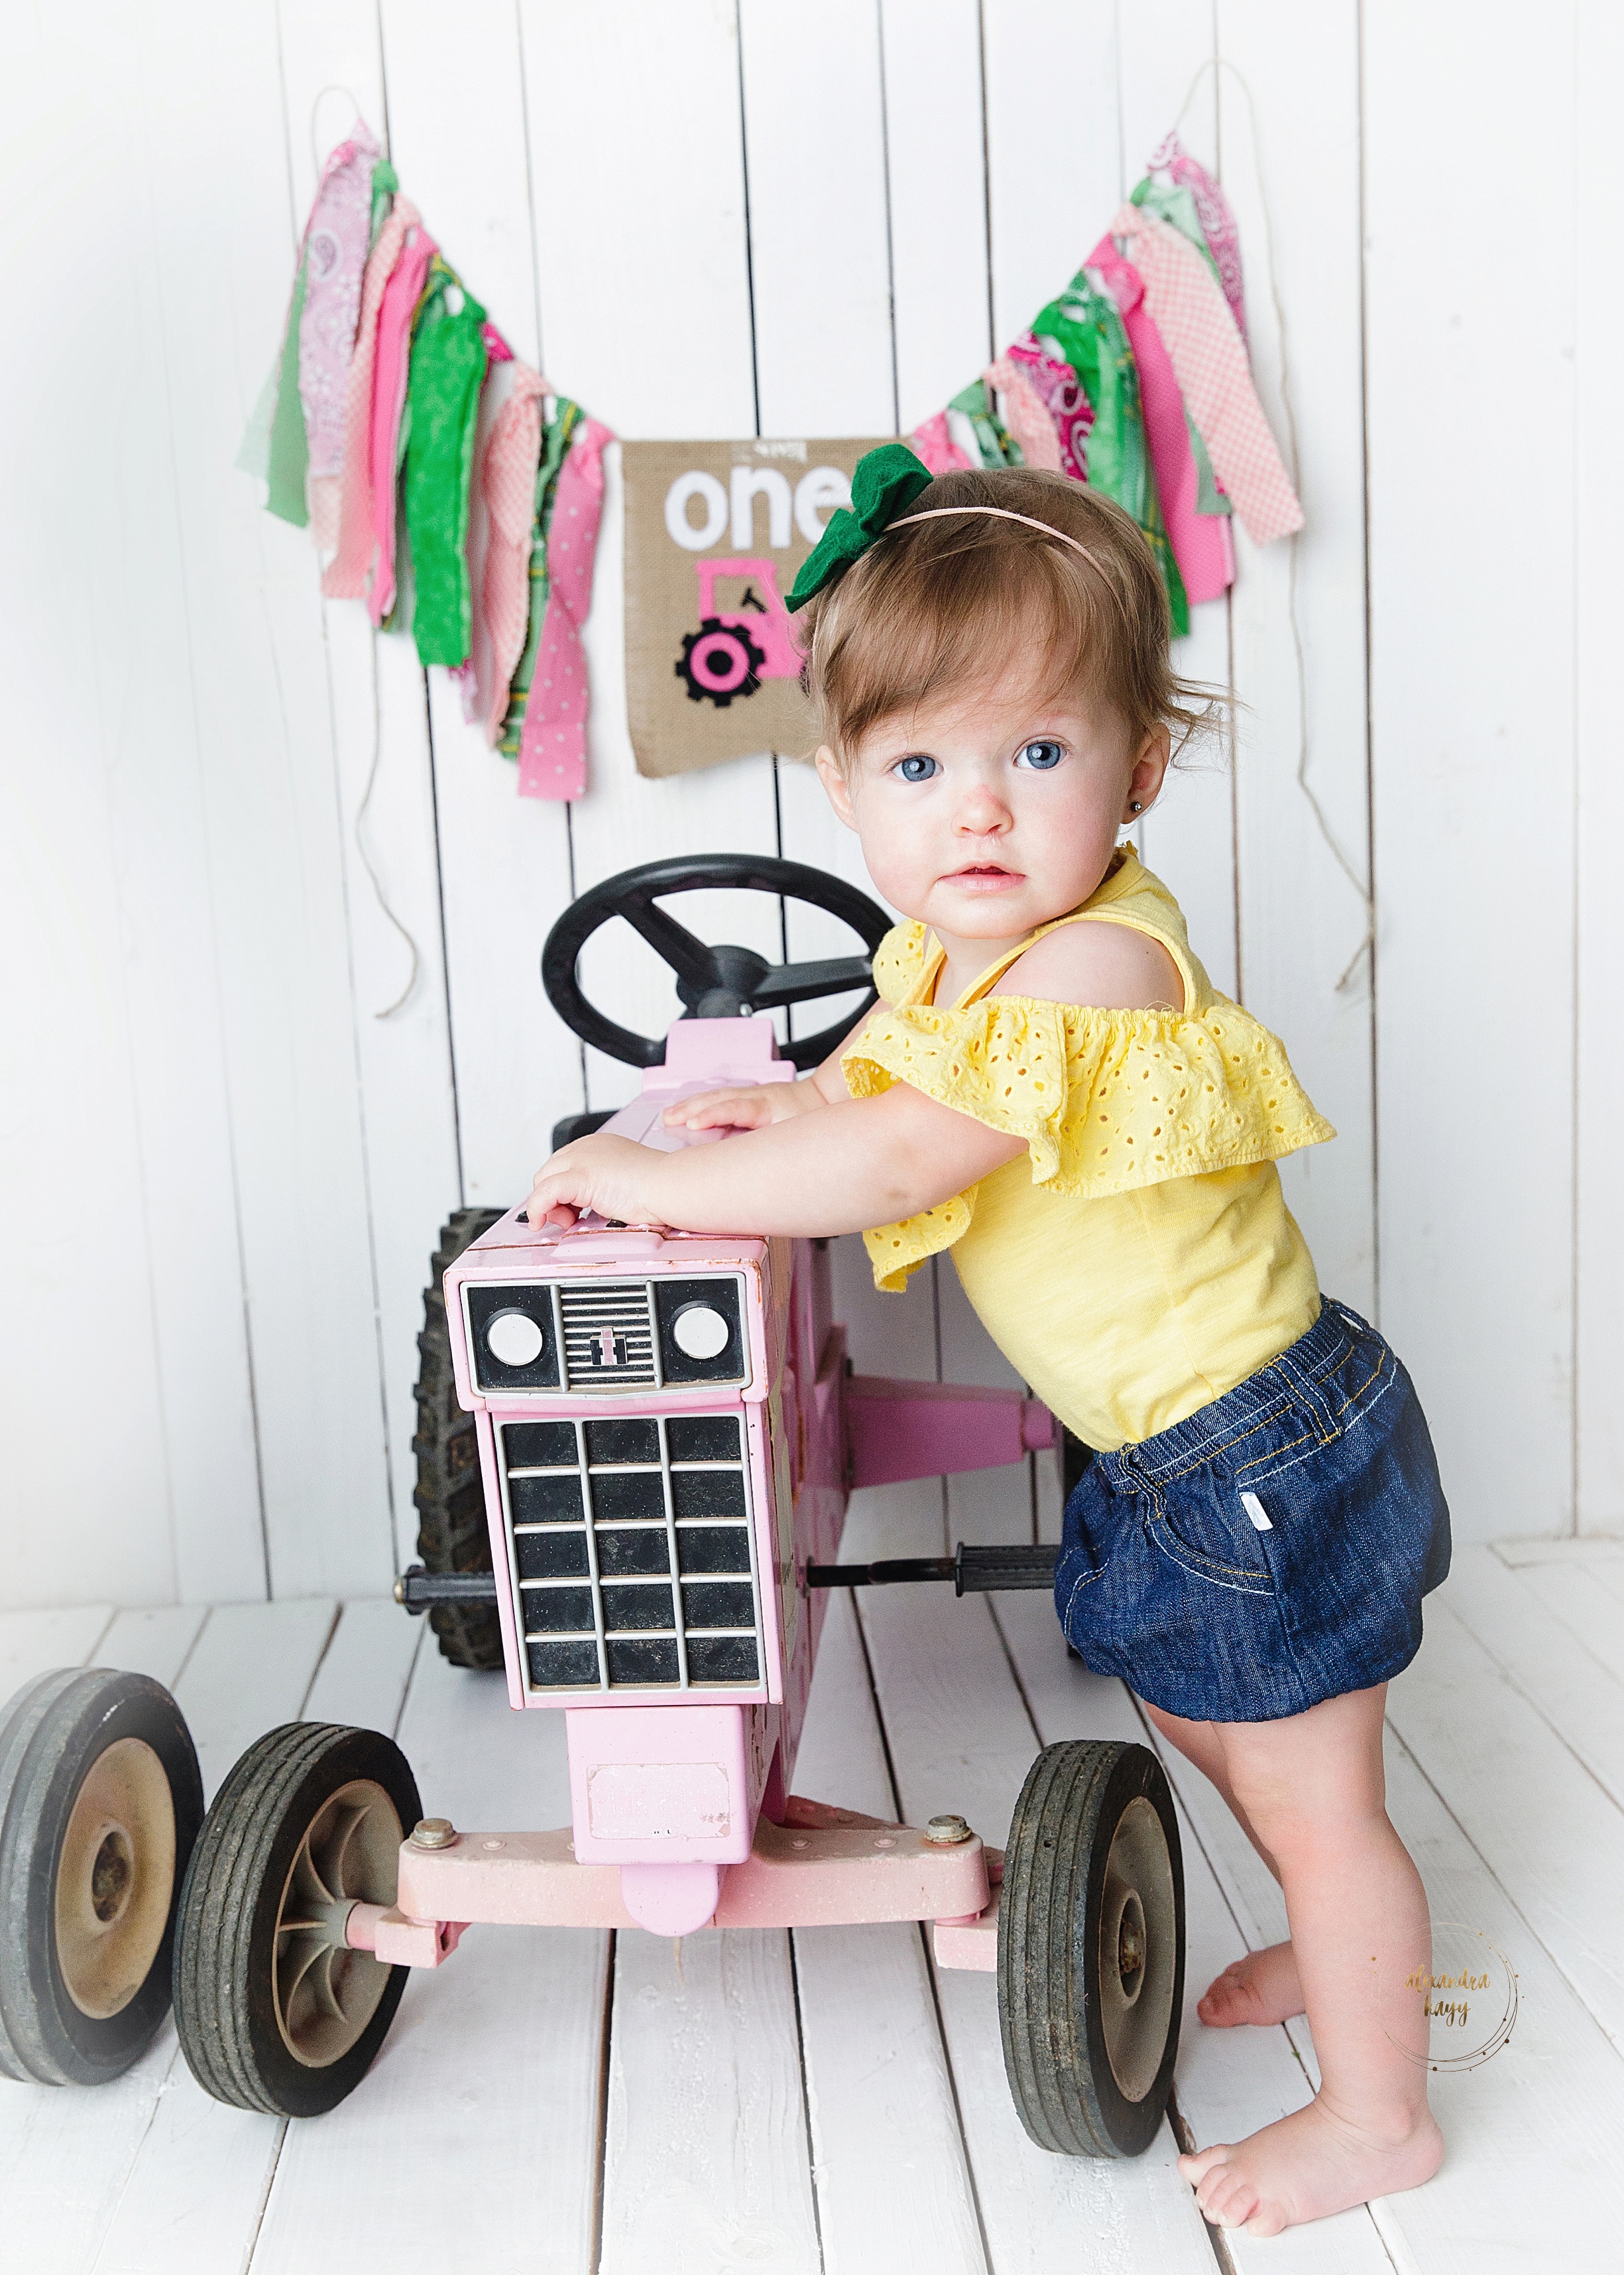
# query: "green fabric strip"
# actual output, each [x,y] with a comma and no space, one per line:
[556,441]
[288,457]
[385,182]
[1209,497]
[997,445]
[1084,328]
[442,393]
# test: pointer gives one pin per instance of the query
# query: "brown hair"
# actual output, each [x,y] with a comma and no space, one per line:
[942,605]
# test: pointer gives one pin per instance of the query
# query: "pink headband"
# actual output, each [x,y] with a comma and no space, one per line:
[935,513]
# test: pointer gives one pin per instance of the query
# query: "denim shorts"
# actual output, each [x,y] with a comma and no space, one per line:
[1272,1549]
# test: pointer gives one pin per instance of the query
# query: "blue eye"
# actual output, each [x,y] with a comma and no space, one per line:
[1040,755]
[918,769]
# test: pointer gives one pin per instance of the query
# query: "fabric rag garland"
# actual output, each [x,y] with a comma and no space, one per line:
[396,423]
[1137,380]
[368,431]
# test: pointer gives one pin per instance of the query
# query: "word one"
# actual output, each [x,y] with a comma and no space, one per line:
[821,488]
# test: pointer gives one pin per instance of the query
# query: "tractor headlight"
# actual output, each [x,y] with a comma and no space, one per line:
[701,1332]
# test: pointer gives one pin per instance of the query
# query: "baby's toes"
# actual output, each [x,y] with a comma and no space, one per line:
[1195,2164]
[1228,1998]
[1226,2197]
[1266,2220]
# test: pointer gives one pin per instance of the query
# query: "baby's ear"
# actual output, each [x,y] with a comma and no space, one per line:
[836,784]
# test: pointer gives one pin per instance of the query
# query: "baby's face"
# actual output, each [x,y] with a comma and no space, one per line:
[986,816]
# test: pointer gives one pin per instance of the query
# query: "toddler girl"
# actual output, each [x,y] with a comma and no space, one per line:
[1051,1089]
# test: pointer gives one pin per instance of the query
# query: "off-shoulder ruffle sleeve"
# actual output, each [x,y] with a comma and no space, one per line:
[1105,1100]
[898,960]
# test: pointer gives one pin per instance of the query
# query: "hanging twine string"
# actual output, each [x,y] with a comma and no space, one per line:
[360,840]
[362,847]
[1216,63]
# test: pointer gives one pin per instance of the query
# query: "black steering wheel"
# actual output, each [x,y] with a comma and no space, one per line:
[713,983]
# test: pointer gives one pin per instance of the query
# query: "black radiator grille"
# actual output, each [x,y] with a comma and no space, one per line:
[608,1335]
[631,1541]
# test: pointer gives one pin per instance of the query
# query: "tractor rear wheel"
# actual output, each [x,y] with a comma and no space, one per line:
[100,1805]
[452,1533]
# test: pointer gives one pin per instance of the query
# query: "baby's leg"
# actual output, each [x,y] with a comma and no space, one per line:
[1261,1987]
[1312,1787]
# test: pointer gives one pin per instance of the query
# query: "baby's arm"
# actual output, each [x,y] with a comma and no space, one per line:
[860,1162]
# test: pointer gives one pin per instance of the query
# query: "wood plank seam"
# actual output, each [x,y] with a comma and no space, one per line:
[925,1938]
[806,2116]
[605,2043]
[953,2085]
[1516,1684]
[1426,1775]
[1183,2133]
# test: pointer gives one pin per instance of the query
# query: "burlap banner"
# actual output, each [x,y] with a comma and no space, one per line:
[715,533]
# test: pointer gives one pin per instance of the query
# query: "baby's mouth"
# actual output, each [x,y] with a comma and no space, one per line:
[985,877]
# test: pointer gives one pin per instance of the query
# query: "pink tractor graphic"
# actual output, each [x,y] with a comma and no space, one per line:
[732,652]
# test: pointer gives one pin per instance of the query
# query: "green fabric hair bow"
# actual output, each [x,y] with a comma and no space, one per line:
[885,481]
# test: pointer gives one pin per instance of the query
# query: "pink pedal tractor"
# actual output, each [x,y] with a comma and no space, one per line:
[658,1433]
[733,651]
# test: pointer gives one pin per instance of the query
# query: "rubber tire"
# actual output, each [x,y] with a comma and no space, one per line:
[225,2011]
[1048,1943]
[51,1733]
[452,1532]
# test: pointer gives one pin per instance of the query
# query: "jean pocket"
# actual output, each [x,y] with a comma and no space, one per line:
[1200,1537]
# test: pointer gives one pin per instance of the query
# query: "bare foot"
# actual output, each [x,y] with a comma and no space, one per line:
[1307,2167]
[1263,1987]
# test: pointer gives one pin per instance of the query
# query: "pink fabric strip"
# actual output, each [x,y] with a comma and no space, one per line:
[1026,417]
[335,240]
[1201,542]
[935,447]
[347,574]
[1217,225]
[1058,387]
[400,295]
[552,757]
[1209,359]
[508,483]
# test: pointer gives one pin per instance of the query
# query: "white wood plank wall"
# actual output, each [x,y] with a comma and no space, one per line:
[223,1170]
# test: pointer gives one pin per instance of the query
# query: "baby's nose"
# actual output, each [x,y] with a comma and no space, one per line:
[982,812]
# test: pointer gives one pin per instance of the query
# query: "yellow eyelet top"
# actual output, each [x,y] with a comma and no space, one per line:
[1145,1262]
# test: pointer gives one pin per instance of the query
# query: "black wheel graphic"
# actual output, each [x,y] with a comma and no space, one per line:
[452,1532]
[720,661]
[273,2011]
[1091,1949]
[100,1805]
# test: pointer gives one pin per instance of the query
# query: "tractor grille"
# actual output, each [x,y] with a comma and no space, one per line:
[609,1336]
[632,1549]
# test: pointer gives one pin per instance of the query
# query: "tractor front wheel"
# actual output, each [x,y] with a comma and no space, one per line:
[1091,1948]
[274,2011]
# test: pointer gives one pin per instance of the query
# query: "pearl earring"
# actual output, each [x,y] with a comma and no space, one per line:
[1136,805]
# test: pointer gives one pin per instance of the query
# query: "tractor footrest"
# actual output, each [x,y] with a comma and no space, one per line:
[975,1570]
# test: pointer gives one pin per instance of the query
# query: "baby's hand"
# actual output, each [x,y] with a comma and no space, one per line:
[609,1174]
[751,1108]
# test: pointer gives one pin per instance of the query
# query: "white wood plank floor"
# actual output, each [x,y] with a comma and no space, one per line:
[822,2100]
